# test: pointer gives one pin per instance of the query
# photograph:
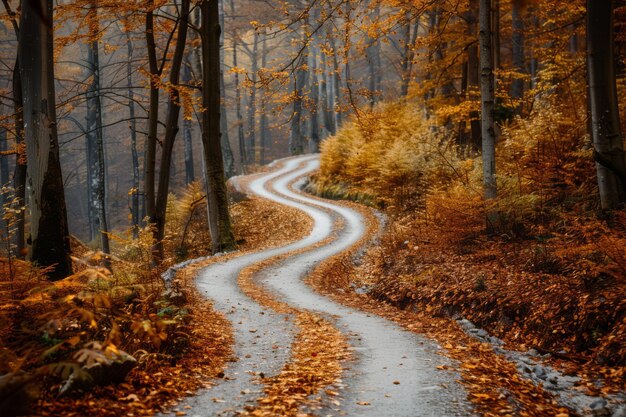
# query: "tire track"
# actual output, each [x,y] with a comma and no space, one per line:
[395,371]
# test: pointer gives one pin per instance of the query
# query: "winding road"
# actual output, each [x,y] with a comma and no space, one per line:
[393,373]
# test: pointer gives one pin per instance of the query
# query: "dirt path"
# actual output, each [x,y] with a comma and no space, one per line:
[393,372]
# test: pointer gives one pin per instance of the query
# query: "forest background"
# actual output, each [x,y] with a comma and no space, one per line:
[420,101]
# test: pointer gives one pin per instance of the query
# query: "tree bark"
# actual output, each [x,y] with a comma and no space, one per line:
[190,175]
[487,101]
[314,133]
[296,138]
[473,78]
[95,140]
[134,206]
[49,235]
[251,145]
[171,128]
[153,116]
[410,37]
[229,159]
[19,173]
[373,60]
[518,57]
[607,136]
[263,118]
[219,218]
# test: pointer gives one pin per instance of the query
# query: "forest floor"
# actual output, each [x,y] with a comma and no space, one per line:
[346,343]
[326,376]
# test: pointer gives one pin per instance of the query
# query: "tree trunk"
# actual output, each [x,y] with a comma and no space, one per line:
[487,102]
[336,96]
[241,141]
[263,118]
[153,116]
[229,159]
[190,175]
[296,138]
[19,173]
[314,134]
[518,57]
[251,146]
[95,140]
[49,235]
[171,128]
[410,37]
[473,79]
[4,181]
[326,97]
[219,219]
[134,205]
[607,136]
[373,60]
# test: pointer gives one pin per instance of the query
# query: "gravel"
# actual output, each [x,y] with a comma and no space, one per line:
[395,372]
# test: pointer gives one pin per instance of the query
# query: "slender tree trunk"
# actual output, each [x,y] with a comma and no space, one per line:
[518,57]
[153,116]
[134,204]
[373,59]
[19,174]
[219,218]
[95,140]
[190,175]
[487,102]
[314,134]
[326,97]
[240,133]
[49,235]
[296,138]
[473,79]
[251,146]
[4,180]
[410,38]
[263,118]
[171,128]
[495,33]
[229,159]
[336,96]
[607,136]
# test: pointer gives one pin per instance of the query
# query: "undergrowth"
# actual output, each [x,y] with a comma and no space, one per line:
[550,275]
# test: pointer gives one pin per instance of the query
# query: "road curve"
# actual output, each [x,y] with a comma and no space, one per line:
[395,371]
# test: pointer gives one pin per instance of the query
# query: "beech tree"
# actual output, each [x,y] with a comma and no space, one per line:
[219,218]
[49,235]
[606,131]
[487,96]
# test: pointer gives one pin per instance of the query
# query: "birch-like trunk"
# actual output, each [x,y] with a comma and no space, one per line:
[251,134]
[95,139]
[263,122]
[487,102]
[229,159]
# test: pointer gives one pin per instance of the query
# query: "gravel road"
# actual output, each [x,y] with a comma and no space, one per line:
[395,371]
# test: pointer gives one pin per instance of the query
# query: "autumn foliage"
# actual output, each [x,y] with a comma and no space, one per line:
[551,274]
